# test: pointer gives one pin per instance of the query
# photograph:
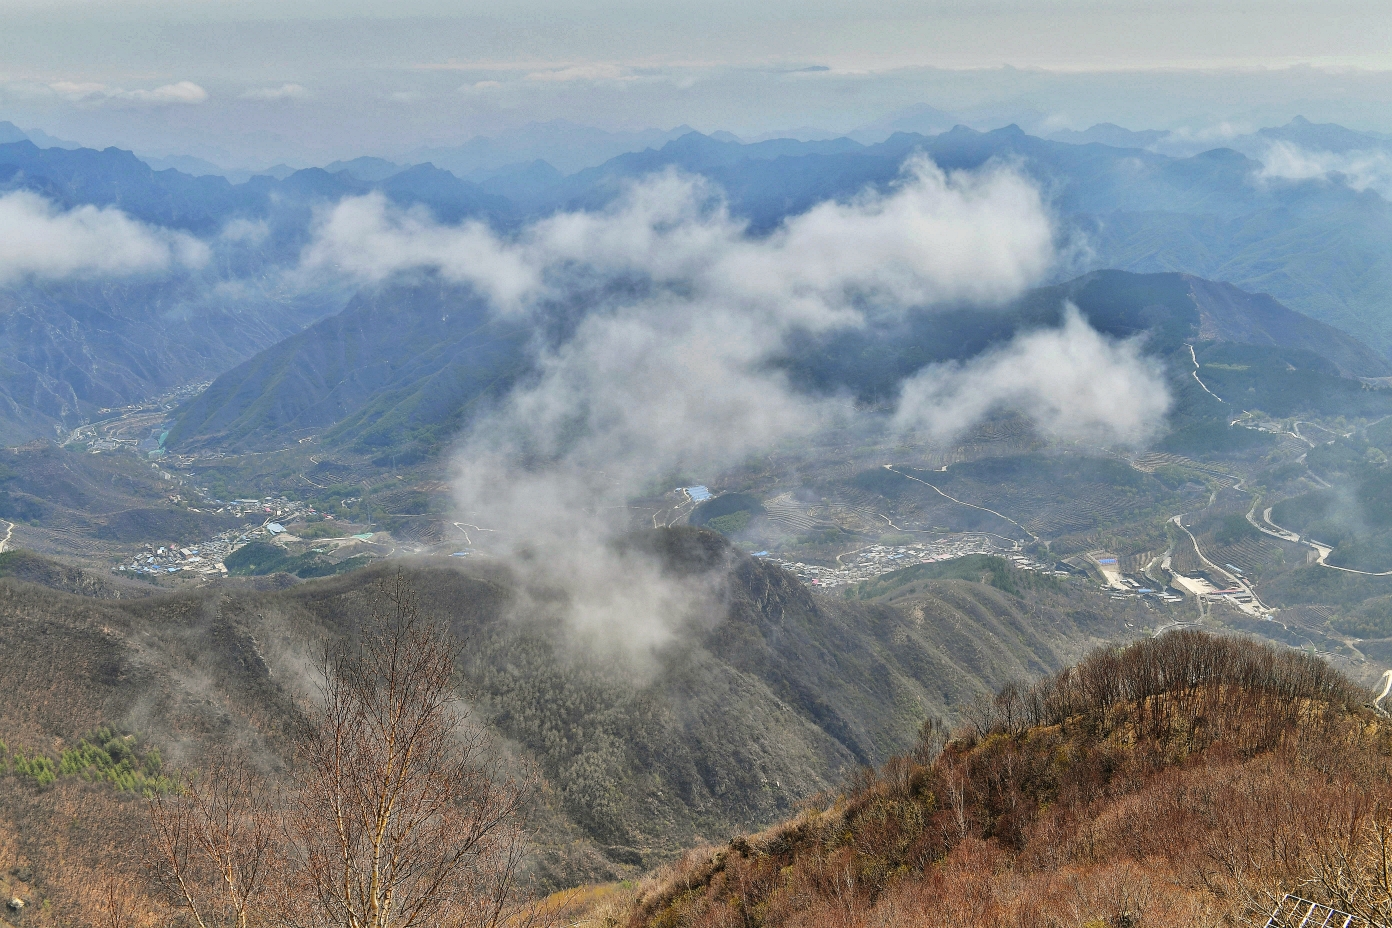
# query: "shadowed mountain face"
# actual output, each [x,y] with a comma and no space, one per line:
[203,205]
[73,347]
[1169,310]
[781,696]
[401,364]
[1317,245]
[1227,314]
[69,350]
[405,366]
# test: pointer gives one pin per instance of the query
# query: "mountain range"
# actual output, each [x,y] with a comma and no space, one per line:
[1316,244]
[222,432]
[404,365]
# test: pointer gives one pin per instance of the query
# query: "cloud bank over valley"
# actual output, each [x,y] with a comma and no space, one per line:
[38,239]
[670,369]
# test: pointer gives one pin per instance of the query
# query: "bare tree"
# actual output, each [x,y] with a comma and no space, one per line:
[392,815]
[398,819]
[1353,866]
[113,902]
[214,843]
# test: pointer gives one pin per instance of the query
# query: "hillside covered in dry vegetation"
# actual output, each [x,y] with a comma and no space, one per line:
[109,686]
[1182,781]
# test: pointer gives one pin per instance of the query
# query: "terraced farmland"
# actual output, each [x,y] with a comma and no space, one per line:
[786,511]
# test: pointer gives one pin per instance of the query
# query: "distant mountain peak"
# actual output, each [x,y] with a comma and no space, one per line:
[366,168]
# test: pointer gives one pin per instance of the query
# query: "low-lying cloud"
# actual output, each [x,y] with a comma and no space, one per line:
[284,93]
[1072,382]
[180,92]
[604,71]
[978,237]
[38,239]
[670,370]
[1360,170]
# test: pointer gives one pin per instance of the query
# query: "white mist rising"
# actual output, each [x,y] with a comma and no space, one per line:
[1361,170]
[669,369]
[1071,381]
[38,239]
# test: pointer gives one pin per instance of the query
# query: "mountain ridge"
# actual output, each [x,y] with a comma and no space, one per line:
[1035,803]
[780,695]
[304,382]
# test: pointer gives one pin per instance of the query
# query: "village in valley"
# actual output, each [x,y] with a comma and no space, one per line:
[878,559]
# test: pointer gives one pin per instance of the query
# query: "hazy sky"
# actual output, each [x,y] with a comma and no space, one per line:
[308,80]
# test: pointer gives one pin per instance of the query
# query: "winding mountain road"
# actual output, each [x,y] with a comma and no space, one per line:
[1275,531]
[1322,550]
[9,533]
[1241,583]
[890,468]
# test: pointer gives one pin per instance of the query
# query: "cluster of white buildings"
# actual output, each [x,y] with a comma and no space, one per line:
[205,559]
[874,560]
[276,508]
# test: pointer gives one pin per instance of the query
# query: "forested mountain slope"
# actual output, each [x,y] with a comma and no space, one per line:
[406,365]
[777,697]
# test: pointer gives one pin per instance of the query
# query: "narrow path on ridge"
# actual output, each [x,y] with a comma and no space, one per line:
[1195,358]
[890,468]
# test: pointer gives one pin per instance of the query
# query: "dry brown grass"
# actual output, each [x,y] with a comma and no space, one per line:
[1197,803]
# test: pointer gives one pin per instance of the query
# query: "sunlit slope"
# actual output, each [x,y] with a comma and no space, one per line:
[1185,780]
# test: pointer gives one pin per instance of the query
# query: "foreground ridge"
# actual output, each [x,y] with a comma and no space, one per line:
[1186,780]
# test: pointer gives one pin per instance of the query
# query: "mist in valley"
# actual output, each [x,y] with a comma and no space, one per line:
[849,506]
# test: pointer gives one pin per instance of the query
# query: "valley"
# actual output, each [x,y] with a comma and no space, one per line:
[786,506]
[766,712]
[1168,533]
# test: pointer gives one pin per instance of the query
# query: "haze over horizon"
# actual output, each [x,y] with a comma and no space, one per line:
[821,463]
[307,82]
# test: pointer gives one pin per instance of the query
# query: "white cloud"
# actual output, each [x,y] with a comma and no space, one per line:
[1072,382]
[1361,170]
[183,92]
[366,238]
[38,239]
[581,72]
[283,93]
[245,231]
[80,90]
[980,237]
[674,373]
